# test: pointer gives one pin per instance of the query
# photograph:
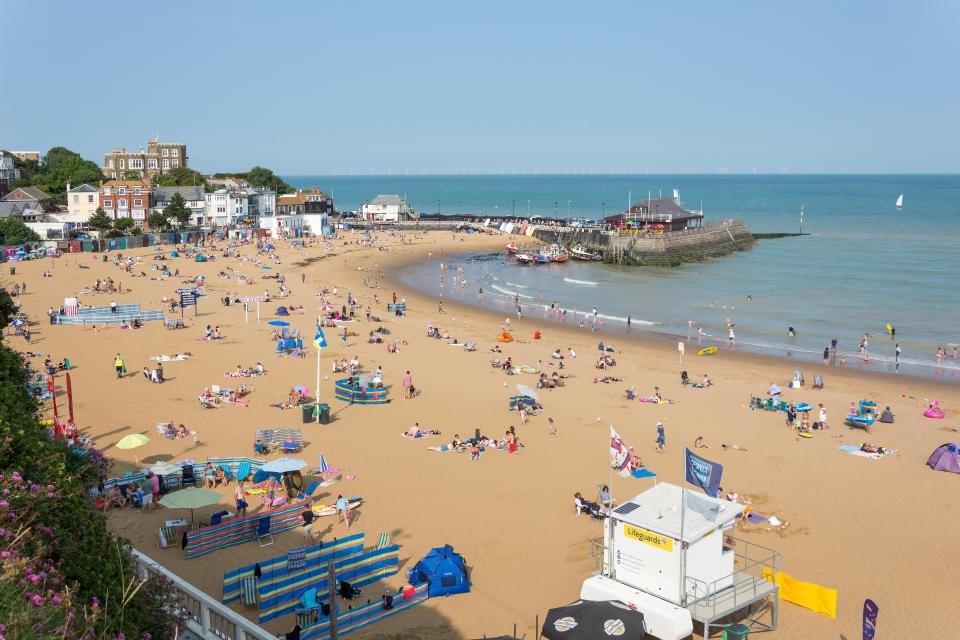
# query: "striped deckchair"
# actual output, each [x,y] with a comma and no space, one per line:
[248,591]
[383,540]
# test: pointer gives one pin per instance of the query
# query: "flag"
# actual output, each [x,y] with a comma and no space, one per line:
[619,453]
[870,611]
[319,341]
[702,473]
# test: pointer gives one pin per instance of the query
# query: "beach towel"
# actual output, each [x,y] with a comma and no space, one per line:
[178,357]
[442,448]
[806,594]
[418,436]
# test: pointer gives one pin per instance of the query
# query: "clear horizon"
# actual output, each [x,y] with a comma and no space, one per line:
[496,88]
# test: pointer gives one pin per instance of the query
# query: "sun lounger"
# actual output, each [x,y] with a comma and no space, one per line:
[263,531]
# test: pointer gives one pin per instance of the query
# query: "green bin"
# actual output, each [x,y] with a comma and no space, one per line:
[735,632]
[324,413]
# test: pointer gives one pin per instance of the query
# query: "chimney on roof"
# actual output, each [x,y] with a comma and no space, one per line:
[68,185]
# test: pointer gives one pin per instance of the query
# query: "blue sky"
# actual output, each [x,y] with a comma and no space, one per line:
[433,87]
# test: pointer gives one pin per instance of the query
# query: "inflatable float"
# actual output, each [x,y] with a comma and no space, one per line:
[803,406]
[709,351]
[859,421]
[934,411]
[868,407]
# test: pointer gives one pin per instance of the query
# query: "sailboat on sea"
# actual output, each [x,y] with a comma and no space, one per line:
[900,201]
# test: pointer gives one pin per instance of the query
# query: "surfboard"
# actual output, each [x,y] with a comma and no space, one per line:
[708,351]
[804,434]
[331,510]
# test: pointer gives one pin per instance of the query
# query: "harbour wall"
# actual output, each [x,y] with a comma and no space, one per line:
[670,249]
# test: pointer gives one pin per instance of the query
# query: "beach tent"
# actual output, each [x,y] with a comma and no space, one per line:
[282,311]
[200,258]
[505,337]
[444,570]
[945,458]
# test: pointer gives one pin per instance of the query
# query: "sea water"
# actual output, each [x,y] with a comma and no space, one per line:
[865,263]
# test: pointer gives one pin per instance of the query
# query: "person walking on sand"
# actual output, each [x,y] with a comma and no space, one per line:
[553,427]
[240,495]
[661,438]
[118,366]
[343,510]
[407,385]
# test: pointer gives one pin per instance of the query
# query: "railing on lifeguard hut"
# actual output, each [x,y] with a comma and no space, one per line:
[750,560]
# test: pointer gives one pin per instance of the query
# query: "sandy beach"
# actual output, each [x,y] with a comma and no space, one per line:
[870,528]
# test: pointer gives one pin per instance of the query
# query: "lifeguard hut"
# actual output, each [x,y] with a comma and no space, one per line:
[670,552]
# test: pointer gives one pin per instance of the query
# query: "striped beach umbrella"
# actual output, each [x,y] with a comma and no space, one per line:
[323,467]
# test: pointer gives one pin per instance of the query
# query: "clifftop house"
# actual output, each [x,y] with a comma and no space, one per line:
[159,158]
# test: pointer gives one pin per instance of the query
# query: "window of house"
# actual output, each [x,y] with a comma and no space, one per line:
[175,152]
[136,191]
[121,163]
[135,164]
[108,204]
[110,164]
[176,163]
[106,191]
[152,163]
[121,191]
[138,203]
[165,152]
[122,203]
[89,199]
[166,164]
[76,199]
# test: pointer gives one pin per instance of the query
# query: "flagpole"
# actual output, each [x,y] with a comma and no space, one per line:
[317,396]
[683,516]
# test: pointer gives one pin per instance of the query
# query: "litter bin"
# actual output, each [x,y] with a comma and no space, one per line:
[735,632]
[13,271]
[308,415]
[324,413]
[104,257]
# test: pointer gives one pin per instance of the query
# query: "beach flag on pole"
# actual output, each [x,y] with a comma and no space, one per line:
[702,473]
[319,341]
[619,452]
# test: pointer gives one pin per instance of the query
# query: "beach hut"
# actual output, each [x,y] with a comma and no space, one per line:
[444,570]
[945,458]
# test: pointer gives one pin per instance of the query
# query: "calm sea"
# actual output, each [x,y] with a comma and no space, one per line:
[866,263]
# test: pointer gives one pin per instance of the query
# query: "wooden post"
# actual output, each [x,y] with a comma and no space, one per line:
[332,598]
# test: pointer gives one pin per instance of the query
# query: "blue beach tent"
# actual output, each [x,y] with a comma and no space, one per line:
[444,570]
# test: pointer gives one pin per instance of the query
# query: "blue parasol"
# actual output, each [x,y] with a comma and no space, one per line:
[278,323]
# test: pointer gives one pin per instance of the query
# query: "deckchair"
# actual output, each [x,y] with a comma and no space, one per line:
[306,493]
[307,611]
[817,382]
[243,471]
[227,473]
[470,346]
[263,531]
[383,540]
[248,591]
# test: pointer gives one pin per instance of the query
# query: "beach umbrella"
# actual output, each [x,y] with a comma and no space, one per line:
[133,441]
[585,620]
[283,465]
[326,308]
[190,498]
[527,391]
[323,467]
[278,323]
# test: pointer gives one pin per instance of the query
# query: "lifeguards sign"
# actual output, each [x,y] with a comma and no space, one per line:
[648,537]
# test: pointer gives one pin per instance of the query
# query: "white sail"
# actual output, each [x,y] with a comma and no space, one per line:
[900,201]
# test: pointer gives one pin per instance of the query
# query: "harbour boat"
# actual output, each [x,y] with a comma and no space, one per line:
[512,248]
[900,201]
[523,258]
[542,257]
[580,252]
[553,253]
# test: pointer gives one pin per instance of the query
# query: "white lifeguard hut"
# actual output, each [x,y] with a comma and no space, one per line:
[670,553]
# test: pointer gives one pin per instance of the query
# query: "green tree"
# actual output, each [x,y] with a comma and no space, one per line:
[123,224]
[178,210]
[13,231]
[179,177]
[260,177]
[158,221]
[62,166]
[99,221]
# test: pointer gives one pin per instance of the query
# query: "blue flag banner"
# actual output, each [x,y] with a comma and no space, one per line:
[319,340]
[870,611]
[702,473]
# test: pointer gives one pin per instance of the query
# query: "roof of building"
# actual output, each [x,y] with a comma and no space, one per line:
[11,209]
[291,198]
[386,201]
[127,183]
[656,208]
[189,193]
[676,512]
[83,188]
[21,194]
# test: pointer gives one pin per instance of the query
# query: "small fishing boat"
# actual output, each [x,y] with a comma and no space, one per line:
[542,257]
[523,258]
[512,248]
[580,252]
